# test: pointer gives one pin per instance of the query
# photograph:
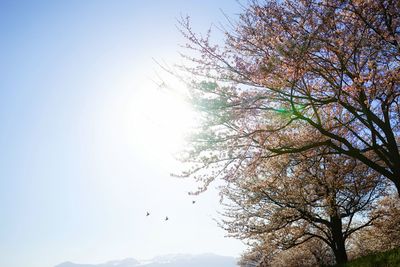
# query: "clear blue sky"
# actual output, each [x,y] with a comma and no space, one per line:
[83,156]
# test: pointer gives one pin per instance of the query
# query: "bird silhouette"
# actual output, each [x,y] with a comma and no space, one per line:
[166,218]
[147,214]
[193,201]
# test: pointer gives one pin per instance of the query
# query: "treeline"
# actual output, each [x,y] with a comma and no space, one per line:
[300,117]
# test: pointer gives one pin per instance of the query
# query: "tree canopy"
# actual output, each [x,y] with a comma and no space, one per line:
[293,200]
[329,66]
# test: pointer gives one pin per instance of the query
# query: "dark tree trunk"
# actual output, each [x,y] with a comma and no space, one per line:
[339,247]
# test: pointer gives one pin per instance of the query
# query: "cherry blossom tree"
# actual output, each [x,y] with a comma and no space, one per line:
[300,116]
[291,200]
[310,254]
[330,67]
[384,234]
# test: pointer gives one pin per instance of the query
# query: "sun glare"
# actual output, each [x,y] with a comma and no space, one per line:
[158,121]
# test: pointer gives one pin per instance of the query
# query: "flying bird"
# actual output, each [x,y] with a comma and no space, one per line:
[166,218]
[193,201]
[147,214]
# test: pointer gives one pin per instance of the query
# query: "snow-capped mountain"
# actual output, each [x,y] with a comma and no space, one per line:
[173,260]
[129,262]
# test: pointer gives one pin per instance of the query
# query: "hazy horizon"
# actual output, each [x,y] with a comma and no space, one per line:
[212,258]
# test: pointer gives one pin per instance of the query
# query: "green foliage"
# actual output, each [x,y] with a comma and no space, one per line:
[390,258]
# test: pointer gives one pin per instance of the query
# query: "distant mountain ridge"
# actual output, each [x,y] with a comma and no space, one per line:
[173,260]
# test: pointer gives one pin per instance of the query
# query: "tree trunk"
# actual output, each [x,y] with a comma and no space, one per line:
[339,247]
[340,255]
